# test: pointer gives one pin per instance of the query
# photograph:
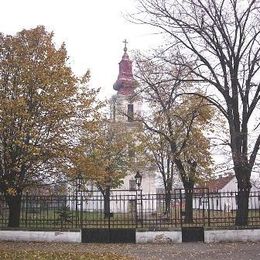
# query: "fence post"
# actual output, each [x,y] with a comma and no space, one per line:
[175,207]
[109,216]
[136,209]
[26,208]
[208,207]
[81,210]
[141,206]
[180,206]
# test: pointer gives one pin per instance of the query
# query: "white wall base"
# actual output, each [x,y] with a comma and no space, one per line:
[158,237]
[50,236]
[210,236]
[244,235]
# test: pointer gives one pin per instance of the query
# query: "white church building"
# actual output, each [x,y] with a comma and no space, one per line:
[125,105]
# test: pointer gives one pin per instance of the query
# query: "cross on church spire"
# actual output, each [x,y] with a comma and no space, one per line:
[125,42]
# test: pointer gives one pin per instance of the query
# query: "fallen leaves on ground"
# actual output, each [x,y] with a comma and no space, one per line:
[34,254]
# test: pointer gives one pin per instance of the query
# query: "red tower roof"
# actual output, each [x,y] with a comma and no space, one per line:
[125,81]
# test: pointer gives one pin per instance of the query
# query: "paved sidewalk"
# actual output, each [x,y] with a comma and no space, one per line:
[198,251]
[219,251]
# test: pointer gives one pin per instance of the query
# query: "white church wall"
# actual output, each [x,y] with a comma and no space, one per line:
[121,107]
[148,185]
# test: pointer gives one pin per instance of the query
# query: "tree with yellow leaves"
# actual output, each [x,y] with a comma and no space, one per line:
[39,102]
[104,155]
[176,126]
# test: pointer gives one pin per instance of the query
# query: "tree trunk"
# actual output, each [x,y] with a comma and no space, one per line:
[188,184]
[14,204]
[242,199]
[188,217]
[188,188]
[107,203]
[242,207]
[167,203]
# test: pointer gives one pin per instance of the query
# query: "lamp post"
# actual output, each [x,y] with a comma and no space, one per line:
[79,199]
[139,201]
[138,179]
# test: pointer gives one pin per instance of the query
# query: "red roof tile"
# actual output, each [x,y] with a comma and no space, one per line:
[218,184]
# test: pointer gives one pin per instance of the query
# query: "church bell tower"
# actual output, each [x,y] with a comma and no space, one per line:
[126,105]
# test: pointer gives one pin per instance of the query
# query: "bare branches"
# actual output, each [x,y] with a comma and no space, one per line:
[178,120]
[218,44]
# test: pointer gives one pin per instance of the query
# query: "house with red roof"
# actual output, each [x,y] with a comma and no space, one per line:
[222,184]
[223,194]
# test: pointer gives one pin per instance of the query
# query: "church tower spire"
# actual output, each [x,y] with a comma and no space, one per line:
[125,82]
[125,104]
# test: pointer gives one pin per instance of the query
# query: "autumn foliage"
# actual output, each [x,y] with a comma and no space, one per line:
[39,102]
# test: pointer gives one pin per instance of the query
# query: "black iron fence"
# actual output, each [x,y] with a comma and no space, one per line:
[131,209]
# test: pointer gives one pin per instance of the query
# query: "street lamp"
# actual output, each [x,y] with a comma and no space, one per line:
[139,200]
[138,179]
[79,200]
[79,182]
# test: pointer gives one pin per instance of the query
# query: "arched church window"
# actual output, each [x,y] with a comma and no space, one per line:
[130,112]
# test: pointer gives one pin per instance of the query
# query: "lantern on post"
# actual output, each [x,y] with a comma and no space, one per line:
[139,199]
[138,179]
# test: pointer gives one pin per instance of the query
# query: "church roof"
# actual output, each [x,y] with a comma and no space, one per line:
[125,82]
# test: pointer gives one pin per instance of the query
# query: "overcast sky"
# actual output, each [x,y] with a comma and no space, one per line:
[93,31]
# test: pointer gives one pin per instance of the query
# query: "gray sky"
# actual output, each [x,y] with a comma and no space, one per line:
[93,31]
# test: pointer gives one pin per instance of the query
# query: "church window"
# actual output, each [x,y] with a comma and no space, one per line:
[132,185]
[130,112]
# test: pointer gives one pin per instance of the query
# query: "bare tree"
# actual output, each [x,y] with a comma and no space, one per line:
[220,43]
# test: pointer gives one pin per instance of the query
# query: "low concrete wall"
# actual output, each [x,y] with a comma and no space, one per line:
[213,236]
[50,236]
[158,237]
[210,236]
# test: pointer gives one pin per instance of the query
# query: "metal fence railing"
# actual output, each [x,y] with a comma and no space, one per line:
[130,209]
